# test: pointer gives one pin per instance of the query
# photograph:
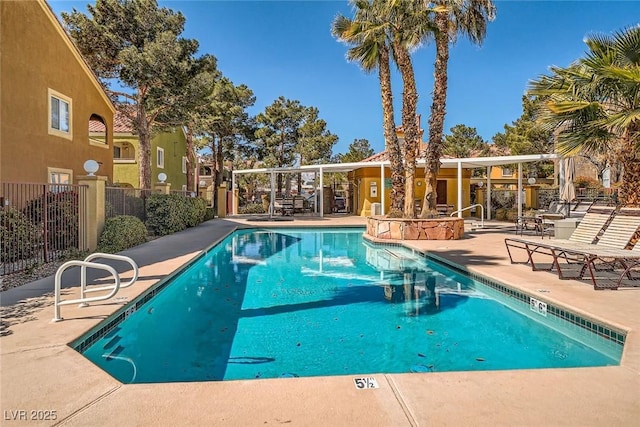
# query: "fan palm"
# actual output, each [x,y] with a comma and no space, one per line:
[452,17]
[370,47]
[594,104]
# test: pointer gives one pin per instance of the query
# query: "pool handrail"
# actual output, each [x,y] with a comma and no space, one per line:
[86,263]
[93,256]
[472,206]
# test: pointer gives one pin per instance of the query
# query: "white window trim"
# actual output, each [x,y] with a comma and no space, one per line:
[60,171]
[160,156]
[54,94]
[184,164]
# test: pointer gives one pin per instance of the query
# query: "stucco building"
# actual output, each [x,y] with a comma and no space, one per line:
[49,98]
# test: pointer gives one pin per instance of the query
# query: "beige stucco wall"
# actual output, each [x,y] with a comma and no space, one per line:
[365,176]
[35,58]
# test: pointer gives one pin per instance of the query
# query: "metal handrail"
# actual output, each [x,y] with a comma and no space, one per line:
[473,206]
[91,257]
[83,300]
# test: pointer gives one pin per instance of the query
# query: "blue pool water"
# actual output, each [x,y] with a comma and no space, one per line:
[267,304]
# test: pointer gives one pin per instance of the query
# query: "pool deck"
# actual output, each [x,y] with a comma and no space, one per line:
[42,376]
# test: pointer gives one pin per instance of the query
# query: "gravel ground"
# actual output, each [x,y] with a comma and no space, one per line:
[18,279]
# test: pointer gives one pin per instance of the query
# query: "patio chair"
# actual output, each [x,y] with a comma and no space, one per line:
[608,251]
[298,204]
[287,207]
[585,233]
[277,206]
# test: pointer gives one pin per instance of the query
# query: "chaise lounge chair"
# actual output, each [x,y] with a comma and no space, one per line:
[585,233]
[608,251]
[611,251]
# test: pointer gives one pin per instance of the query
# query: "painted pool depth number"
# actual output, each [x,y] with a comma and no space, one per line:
[538,306]
[365,382]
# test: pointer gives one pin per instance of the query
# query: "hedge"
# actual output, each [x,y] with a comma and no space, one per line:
[120,233]
[170,213]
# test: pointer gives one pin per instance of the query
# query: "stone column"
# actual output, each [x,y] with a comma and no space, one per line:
[93,209]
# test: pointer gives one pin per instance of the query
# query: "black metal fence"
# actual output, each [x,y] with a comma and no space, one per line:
[126,201]
[39,223]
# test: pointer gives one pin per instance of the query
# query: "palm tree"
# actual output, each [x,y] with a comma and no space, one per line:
[370,47]
[452,17]
[405,23]
[594,104]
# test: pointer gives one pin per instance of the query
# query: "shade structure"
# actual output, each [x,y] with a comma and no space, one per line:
[568,191]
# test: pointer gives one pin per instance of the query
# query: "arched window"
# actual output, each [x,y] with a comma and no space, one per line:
[97,130]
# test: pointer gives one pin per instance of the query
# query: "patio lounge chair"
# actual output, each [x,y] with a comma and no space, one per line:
[602,267]
[610,252]
[585,233]
[609,249]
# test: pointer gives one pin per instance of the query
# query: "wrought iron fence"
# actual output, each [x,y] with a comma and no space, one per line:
[126,201]
[39,223]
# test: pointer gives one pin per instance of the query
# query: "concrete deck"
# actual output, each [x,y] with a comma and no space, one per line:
[41,376]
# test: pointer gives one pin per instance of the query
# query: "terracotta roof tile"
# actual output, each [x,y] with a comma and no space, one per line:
[121,123]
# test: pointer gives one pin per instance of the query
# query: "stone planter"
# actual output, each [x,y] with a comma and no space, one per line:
[445,228]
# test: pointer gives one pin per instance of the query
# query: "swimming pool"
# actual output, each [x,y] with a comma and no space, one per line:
[290,302]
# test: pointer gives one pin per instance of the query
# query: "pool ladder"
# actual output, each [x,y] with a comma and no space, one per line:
[88,263]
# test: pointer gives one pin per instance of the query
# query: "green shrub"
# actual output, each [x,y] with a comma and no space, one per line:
[120,233]
[251,208]
[587,182]
[209,215]
[170,213]
[196,211]
[19,237]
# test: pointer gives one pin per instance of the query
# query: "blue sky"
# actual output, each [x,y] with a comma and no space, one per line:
[285,48]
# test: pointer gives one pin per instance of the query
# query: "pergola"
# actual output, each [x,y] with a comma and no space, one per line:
[459,164]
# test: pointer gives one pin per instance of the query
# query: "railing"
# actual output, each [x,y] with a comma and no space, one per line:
[473,206]
[126,201]
[40,223]
[83,300]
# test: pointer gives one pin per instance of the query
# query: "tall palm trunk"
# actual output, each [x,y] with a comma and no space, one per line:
[629,192]
[436,121]
[410,125]
[390,136]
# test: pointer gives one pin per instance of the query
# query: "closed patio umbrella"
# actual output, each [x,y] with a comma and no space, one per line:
[568,191]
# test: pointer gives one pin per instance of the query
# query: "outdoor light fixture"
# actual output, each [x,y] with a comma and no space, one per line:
[203,184]
[162,177]
[531,181]
[480,184]
[419,183]
[91,167]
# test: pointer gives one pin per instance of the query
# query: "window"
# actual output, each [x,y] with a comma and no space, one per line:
[507,172]
[117,152]
[97,131]
[60,115]
[160,157]
[59,176]
[184,164]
